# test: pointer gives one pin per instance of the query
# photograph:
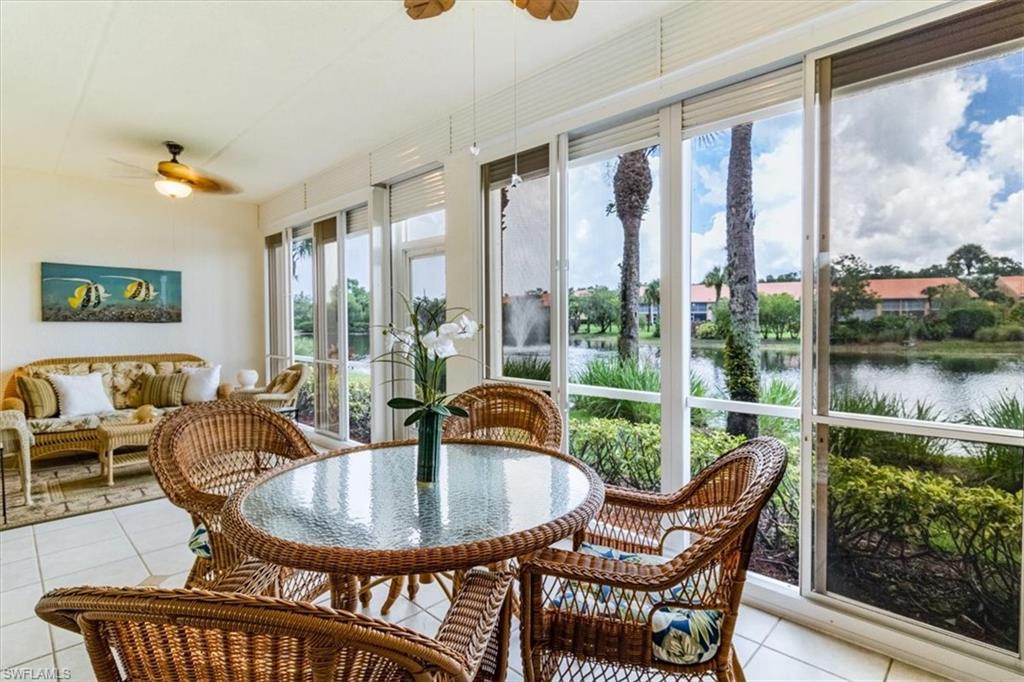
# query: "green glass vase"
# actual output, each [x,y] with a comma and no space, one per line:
[428,452]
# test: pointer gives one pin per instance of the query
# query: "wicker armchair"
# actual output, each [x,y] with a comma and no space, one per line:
[160,634]
[618,609]
[201,454]
[281,393]
[507,412]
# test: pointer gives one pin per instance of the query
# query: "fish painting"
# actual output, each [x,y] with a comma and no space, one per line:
[96,293]
[138,290]
[88,295]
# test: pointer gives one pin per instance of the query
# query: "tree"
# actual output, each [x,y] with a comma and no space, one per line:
[358,307]
[601,308]
[715,278]
[576,312]
[784,277]
[966,260]
[719,315]
[889,272]
[742,346]
[779,314]
[652,299]
[632,185]
[850,291]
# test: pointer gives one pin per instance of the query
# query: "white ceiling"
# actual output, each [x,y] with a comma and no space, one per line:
[262,93]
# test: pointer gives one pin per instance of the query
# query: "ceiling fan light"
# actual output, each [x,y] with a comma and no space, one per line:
[172,188]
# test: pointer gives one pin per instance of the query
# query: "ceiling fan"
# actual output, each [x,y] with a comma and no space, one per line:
[556,10]
[177,180]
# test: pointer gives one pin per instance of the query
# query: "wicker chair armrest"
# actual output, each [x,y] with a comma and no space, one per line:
[649,501]
[13,404]
[477,610]
[557,563]
[251,576]
[247,393]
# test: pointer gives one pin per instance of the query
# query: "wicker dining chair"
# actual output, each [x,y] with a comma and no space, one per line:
[624,605]
[201,454]
[507,412]
[139,633]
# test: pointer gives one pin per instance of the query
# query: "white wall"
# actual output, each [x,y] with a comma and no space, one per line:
[213,241]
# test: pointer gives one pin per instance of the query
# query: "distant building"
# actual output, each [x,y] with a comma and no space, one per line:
[702,297]
[910,296]
[1012,286]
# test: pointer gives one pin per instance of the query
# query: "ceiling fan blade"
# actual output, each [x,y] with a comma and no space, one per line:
[426,9]
[196,179]
[556,10]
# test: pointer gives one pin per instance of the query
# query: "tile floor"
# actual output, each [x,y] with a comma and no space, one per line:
[145,544]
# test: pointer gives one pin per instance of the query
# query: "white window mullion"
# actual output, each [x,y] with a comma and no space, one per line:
[558,163]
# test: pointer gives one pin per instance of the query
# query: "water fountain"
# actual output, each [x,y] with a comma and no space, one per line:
[523,314]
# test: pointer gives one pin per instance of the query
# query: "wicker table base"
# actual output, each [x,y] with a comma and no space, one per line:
[119,436]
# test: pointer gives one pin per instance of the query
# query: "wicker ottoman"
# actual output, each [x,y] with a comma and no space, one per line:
[117,436]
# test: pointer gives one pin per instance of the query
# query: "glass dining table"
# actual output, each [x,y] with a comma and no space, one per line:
[360,512]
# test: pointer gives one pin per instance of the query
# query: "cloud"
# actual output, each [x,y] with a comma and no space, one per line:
[903,193]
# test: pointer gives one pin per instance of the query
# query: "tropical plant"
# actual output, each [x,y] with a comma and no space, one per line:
[533,367]
[1003,465]
[715,278]
[742,347]
[423,348]
[632,374]
[632,185]
[652,299]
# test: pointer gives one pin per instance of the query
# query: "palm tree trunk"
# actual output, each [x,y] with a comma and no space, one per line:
[742,345]
[632,185]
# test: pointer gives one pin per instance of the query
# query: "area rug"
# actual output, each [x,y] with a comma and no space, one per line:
[72,485]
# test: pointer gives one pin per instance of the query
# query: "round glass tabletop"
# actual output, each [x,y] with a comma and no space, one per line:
[369,499]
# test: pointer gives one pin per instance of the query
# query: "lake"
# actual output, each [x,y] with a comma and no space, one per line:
[950,383]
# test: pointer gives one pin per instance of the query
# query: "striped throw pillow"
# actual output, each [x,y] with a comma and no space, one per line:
[163,390]
[39,396]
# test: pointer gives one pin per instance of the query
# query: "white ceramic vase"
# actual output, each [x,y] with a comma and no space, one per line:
[247,378]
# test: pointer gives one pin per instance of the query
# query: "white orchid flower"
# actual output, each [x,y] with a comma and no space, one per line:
[463,327]
[438,345]
[400,341]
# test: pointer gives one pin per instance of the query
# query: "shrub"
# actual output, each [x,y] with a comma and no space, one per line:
[967,320]
[528,367]
[707,330]
[1001,465]
[885,447]
[845,332]
[622,453]
[934,328]
[985,334]
[1016,312]
[359,409]
[633,375]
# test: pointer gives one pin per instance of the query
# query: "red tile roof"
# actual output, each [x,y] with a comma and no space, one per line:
[702,294]
[1012,284]
[910,288]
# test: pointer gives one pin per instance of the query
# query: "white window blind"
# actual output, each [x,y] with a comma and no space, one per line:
[745,97]
[636,134]
[357,219]
[416,196]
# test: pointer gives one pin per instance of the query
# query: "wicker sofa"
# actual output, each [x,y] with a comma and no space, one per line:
[54,436]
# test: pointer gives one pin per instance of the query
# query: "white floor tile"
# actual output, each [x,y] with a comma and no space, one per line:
[429,594]
[904,672]
[14,534]
[63,639]
[83,535]
[124,572]
[769,665]
[827,653]
[172,535]
[23,641]
[402,608]
[22,547]
[37,669]
[19,603]
[169,561]
[76,662]
[141,520]
[745,648]
[423,623]
[19,573]
[78,559]
[754,624]
[72,521]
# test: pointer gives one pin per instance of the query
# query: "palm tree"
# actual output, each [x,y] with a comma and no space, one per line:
[715,278]
[742,345]
[632,184]
[652,297]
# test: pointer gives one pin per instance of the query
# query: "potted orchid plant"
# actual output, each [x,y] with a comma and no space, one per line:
[423,349]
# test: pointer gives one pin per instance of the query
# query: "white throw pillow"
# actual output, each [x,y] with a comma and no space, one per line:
[80,394]
[202,384]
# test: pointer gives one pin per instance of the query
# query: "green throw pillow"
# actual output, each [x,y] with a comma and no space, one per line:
[39,396]
[163,390]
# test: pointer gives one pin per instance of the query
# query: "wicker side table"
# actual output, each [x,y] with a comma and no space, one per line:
[117,436]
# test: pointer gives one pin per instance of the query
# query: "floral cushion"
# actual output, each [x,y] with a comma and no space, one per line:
[63,424]
[679,635]
[126,416]
[127,383]
[199,542]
